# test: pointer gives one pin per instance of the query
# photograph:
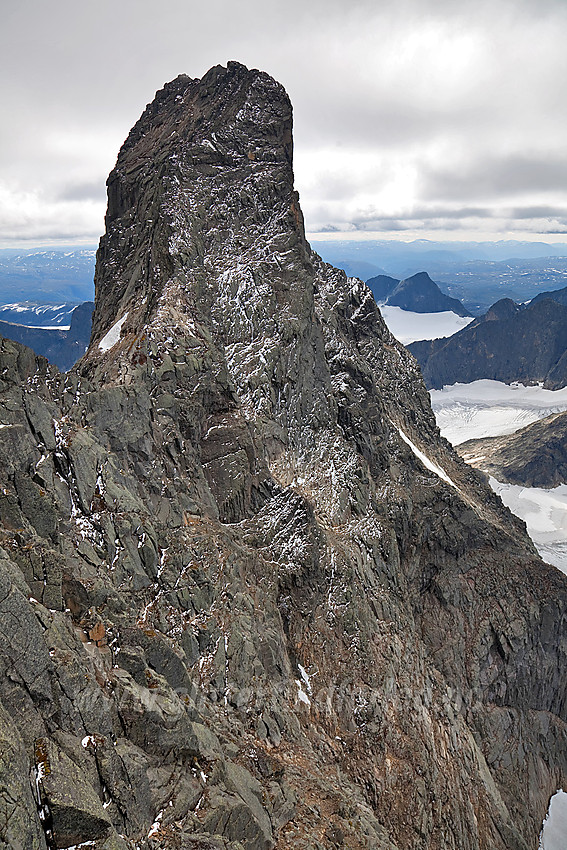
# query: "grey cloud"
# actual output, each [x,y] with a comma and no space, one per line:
[383,224]
[452,213]
[425,213]
[373,220]
[362,119]
[361,75]
[539,212]
[330,228]
[496,177]
[91,191]
[448,218]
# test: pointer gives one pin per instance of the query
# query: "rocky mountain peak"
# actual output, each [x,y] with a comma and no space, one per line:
[417,293]
[204,181]
[501,310]
[252,599]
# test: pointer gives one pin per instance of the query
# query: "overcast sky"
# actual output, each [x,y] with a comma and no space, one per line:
[414,118]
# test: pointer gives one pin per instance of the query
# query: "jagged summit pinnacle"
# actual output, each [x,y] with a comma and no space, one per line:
[208,164]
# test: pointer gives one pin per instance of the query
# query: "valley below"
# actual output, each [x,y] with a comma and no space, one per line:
[467,413]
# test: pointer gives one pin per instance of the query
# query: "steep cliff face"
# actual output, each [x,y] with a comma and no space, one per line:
[250,599]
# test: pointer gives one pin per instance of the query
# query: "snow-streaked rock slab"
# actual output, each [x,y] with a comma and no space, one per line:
[110,339]
[433,467]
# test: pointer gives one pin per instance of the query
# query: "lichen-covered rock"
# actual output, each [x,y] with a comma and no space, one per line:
[249,598]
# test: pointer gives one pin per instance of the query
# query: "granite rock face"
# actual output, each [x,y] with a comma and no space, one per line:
[249,598]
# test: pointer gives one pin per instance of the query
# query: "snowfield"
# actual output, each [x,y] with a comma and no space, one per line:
[491,408]
[408,327]
[545,514]
[555,825]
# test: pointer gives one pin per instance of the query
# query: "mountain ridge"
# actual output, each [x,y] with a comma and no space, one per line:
[559,295]
[508,343]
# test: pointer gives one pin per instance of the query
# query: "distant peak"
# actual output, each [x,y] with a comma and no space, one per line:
[417,278]
[502,309]
[417,293]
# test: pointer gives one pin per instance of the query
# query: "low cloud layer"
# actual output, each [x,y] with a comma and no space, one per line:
[422,116]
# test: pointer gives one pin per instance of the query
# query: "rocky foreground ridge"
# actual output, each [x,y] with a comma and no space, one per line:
[249,598]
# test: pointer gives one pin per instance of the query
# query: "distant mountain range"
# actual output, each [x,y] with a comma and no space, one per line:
[425,253]
[477,273]
[509,343]
[47,276]
[38,315]
[61,347]
[418,294]
[46,301]
[479,284]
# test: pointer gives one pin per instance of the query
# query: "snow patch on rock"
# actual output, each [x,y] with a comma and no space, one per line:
[429,464]
[113,335]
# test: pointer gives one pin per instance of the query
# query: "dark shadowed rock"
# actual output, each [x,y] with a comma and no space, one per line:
[73,810]
[381,286]
[509,343]
[558,295]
